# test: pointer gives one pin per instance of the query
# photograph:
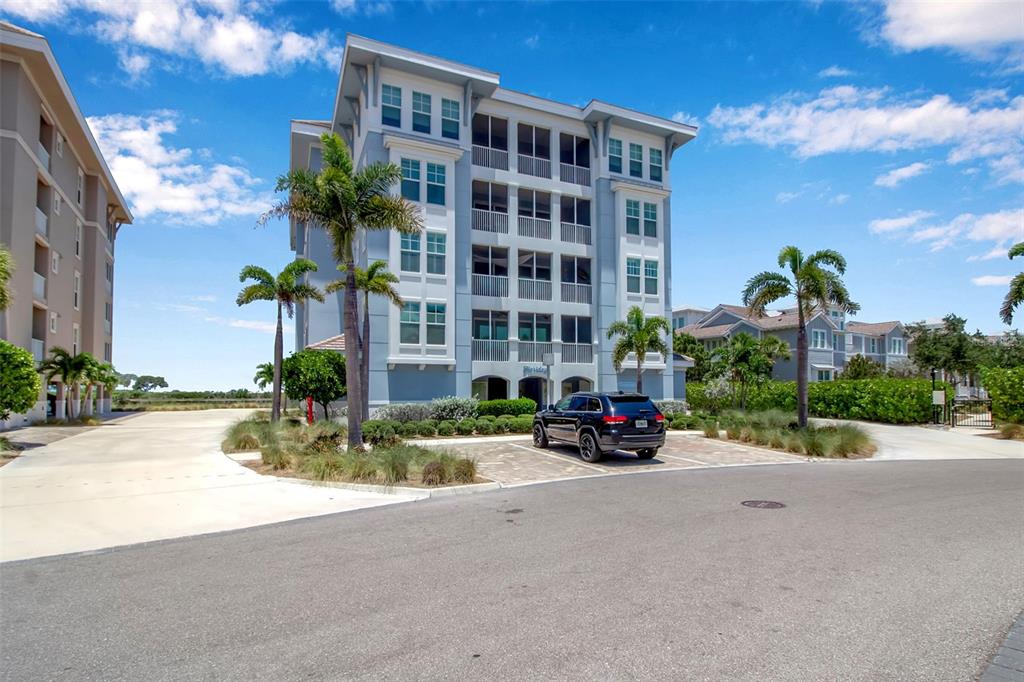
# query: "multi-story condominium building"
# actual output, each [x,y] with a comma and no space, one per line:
[831,339]
[60,210]
[543,223]
[684,316]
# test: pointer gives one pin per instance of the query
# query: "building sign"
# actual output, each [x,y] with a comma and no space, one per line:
[534,371]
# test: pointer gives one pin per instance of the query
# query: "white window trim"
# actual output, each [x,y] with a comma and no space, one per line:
[78,239]
[77,291]
[80,191]
[76,338]
[53,322]
[55,262]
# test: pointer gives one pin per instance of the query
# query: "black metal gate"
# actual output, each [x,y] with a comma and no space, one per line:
[975,412]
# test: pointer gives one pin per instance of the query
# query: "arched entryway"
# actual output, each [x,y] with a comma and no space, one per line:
[490,388]
[534,388]
[576,384]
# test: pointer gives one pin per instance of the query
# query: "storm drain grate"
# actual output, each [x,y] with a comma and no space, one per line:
[762,504]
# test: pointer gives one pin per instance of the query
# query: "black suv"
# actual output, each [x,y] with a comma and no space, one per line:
[602,422]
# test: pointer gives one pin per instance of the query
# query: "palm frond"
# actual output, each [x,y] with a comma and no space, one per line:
[299,267]
[1016,250]
[790,257]
[305,292]
[763,289]
[828,257]
[256,292]
[388,212]
[1014,297]
[258,274]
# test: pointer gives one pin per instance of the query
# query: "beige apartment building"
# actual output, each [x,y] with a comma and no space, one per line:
[60,211]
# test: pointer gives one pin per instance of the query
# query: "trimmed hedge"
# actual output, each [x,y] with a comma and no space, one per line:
[516,407]
[1006,388]
[888,400]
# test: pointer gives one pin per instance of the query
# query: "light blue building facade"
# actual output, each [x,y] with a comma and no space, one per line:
[543,223]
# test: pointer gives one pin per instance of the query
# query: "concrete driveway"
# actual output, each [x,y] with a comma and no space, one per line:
[156,476]
[922,442]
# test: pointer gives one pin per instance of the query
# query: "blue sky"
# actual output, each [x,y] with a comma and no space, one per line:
[891,132]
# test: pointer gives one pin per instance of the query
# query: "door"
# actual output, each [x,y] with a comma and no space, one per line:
[557,421]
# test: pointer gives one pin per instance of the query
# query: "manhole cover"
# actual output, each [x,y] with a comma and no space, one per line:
[762,504]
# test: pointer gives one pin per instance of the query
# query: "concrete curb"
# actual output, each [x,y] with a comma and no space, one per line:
[419,493]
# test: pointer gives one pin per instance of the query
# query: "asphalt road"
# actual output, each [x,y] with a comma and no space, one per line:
[873,570]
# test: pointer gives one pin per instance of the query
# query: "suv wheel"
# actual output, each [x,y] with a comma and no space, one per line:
[589,451]
[540,439]
[647,453]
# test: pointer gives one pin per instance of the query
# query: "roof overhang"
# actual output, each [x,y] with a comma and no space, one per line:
[677,133]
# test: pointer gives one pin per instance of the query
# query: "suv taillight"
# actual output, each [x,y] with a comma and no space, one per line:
[659,417]
[614,419]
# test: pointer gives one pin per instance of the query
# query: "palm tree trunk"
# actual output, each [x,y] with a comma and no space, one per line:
[639,374]
[352,366]
[801,367]
[364,366]
[275,405]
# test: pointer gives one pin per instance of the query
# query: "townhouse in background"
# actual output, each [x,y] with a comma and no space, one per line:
[60,210]
[543,224]
[831,339]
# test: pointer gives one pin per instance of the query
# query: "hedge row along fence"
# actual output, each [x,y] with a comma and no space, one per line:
[1006,389]
[888,400]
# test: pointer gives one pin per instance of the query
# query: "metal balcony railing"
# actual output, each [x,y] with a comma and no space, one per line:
[535,289]
[534,227]
[490,285]
[577,234]
[490,221]
[576,293]
[580,353]
[490,351]
[536,166]
[488,157]
[39,286]
[577,175]
[44,156]
[533,351]
[42,222]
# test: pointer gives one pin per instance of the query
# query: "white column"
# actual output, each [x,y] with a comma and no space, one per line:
[60,411]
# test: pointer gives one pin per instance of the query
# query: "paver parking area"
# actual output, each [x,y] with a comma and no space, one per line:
[518,462]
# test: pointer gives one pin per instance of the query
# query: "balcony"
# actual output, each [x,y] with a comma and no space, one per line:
[490,285]
[576,293]
[578,175]
[579,353]
[536,166]
[577,234]
[490,221]
[534,227]
[490,351]
[44,156]
[488,157]
[532,351]
[42,223]
[38,349]
[535,289]
[39,287]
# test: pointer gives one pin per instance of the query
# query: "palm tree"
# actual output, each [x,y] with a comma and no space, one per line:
[746,360]
[374,280]
[97,374]
[287,290]
[264,375]
[346,203]
[70,369]
[816,283]
[1015,296]
[640,335]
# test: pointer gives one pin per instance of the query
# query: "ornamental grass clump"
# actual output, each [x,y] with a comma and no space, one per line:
[794,443]
[358,466]
[248,435]
[777,439]
[434,473]
[464,470]
[323,466]
[711,429]
[853,441]
[393,466]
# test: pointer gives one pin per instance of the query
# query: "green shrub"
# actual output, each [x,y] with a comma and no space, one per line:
[711,428]
[358,466]
[815,443]
[1011,432]
[426,428]
[851,440]
[1006,388]
[248,435]
[503,424]
[276,456]
[408,430]
[404,412]
[485,427]
[453,408]
[746,434]
[677,423]
[464,470]
[466,427]
[446,428]
[733,431]
[486,418]
[777,438]
[393,466]
[794,443]
[434,473]
[384,437]
[323,466]
[523,424]
[514,407]
[19,379]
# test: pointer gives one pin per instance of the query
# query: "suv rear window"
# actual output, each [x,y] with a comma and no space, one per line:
[631,404]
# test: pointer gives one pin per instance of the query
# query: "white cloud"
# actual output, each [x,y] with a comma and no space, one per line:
[532,42]
[160,180]
[996,252]
[835,71]
[367,7]
[975,27]
[254,325]
[896,224]
[685,117]
[232,37]
[839,199]
[850,119]
[992,280]
[786,197]
[897,176]
[999,228]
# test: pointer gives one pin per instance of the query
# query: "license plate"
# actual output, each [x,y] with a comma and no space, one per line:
[641,423]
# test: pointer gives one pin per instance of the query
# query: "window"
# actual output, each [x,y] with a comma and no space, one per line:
[490,260]
[76,338]
[78,238]
[655,157]
[420,112]
[60,145]
[107,355]
[490,132]
[574,150]
[872,345]
[615,155]
[409,323]
[437,246]
[534,204]
[410,252]
[632,216]
[435,324]
[411,179]
[636,161]
[633,275]
[54,262]
[391,106]
[897,346]
[77,291]
[575,270]
[490,325]
[107,311]
[490,196]
[53,322]
[651,277]
[819,339]
[110,272]
[837,317]
[58,202]
[824,375]
[534,265]
[450,119]
[650,220]
[534,141]
[837,341]
[534,327]
[575,210]
[80,192]
[435,183]
[576,329]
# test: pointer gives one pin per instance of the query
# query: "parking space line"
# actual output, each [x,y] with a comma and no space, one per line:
[687,459]
[560,458]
